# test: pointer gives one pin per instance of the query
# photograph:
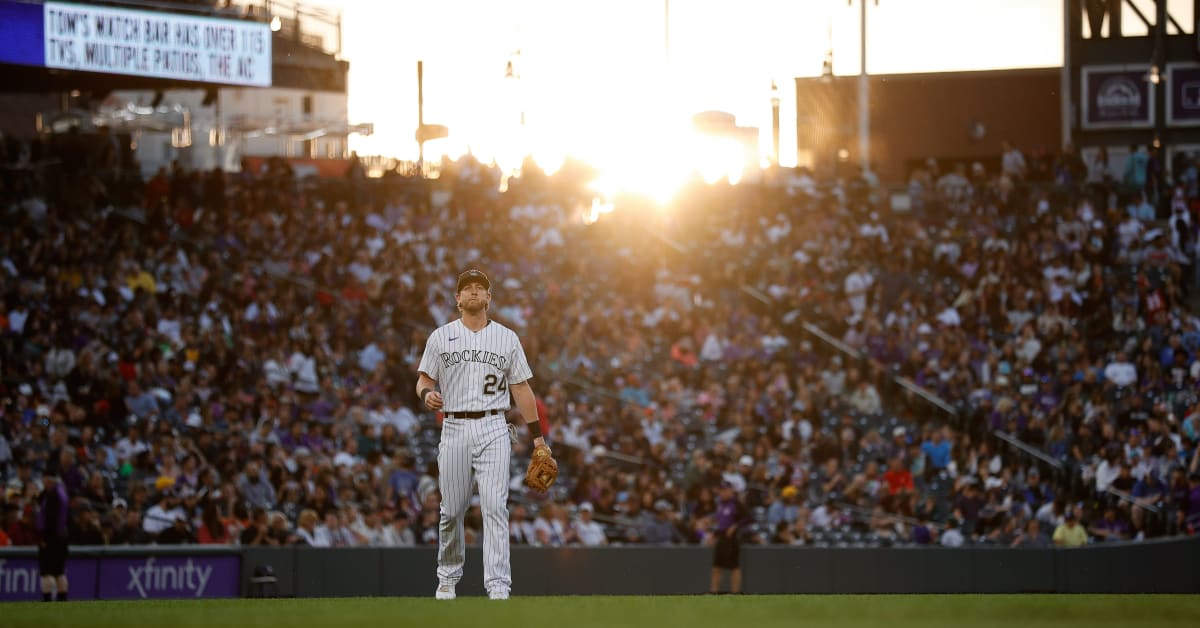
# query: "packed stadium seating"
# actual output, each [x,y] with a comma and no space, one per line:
[207,357]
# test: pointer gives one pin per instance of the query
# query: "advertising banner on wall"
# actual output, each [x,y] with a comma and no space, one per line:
[1183,85]
[146,577]
[1116,97]
[20,580]
[128,577]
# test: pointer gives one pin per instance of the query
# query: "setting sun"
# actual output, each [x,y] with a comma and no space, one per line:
[609,84]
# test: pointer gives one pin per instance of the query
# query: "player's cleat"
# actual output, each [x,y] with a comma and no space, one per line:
[498,595]
[445,592]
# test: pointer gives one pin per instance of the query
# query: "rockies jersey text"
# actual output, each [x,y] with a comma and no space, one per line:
[475,369]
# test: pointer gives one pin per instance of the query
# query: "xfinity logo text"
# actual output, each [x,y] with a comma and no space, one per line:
[18,579]
[149,579]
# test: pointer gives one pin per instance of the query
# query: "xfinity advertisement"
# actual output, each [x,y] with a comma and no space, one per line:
[128,578]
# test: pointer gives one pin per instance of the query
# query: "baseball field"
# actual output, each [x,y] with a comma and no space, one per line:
[892,611]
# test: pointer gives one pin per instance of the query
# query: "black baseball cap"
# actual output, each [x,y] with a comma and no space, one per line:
[473,276]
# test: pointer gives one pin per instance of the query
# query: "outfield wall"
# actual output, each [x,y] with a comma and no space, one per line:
[205,571]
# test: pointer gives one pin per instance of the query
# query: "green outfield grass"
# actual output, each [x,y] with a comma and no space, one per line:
[891,611]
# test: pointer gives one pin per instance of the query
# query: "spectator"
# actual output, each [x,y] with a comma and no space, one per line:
[865,398]
[254,486]
[785,509]
[547,530]
[1099,168]
[162,515]
[280,532]
[177,534]
[1036,493]
[937,448]
[258,532]
[589,532]
[1143,210]
[213,530]
[1109,527]
[131,530]
[783,534]
[399,533]
[898,478]
[827,516]
[85,529]
[1069,533]
[1191,506]
[737,477]
[1032,536]
[367,528]
[952,536]
[520,531]
[968,506]
[1148,492]
[658,527]
[306,529]
[1136,166]
[923,533]
[857,285]
[1121,372]
[1012,162]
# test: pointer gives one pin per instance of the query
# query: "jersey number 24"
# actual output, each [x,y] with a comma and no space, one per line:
[493,385]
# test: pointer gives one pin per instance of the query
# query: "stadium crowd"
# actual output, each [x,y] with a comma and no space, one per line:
[206,357]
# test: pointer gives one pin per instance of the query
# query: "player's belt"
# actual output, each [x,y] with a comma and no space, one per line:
[472,415]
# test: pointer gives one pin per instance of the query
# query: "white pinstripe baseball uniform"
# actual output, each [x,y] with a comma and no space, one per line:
[473,371]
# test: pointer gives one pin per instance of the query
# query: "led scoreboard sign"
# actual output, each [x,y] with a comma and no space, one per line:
[91,38]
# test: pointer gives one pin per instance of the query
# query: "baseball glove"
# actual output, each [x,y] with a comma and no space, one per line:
[543,470]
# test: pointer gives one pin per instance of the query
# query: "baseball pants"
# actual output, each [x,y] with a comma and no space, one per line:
[474,451]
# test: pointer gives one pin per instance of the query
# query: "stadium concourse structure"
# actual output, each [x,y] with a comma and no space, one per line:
[207,84]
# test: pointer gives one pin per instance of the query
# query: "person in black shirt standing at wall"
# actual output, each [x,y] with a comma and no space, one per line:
[52,538]
[729,519]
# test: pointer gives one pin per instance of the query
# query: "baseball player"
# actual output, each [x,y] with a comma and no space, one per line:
[468,370]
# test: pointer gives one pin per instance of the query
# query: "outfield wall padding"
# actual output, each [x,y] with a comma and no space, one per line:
[1169,566]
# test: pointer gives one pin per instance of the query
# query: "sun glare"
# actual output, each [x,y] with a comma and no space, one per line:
[600,83]
[555,81]
[651,154]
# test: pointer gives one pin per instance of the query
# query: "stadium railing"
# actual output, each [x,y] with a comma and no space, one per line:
[1048,463]
[1156,517]
[896,390]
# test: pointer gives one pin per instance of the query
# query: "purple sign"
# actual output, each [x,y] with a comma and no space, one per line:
[20,580]
[1184,84]
[22,34]
[1116,97]
[169,577]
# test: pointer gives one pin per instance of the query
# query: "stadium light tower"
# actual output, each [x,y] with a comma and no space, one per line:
[667,31]
[864,89]
[774,123]
[827,63]
[513,71]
